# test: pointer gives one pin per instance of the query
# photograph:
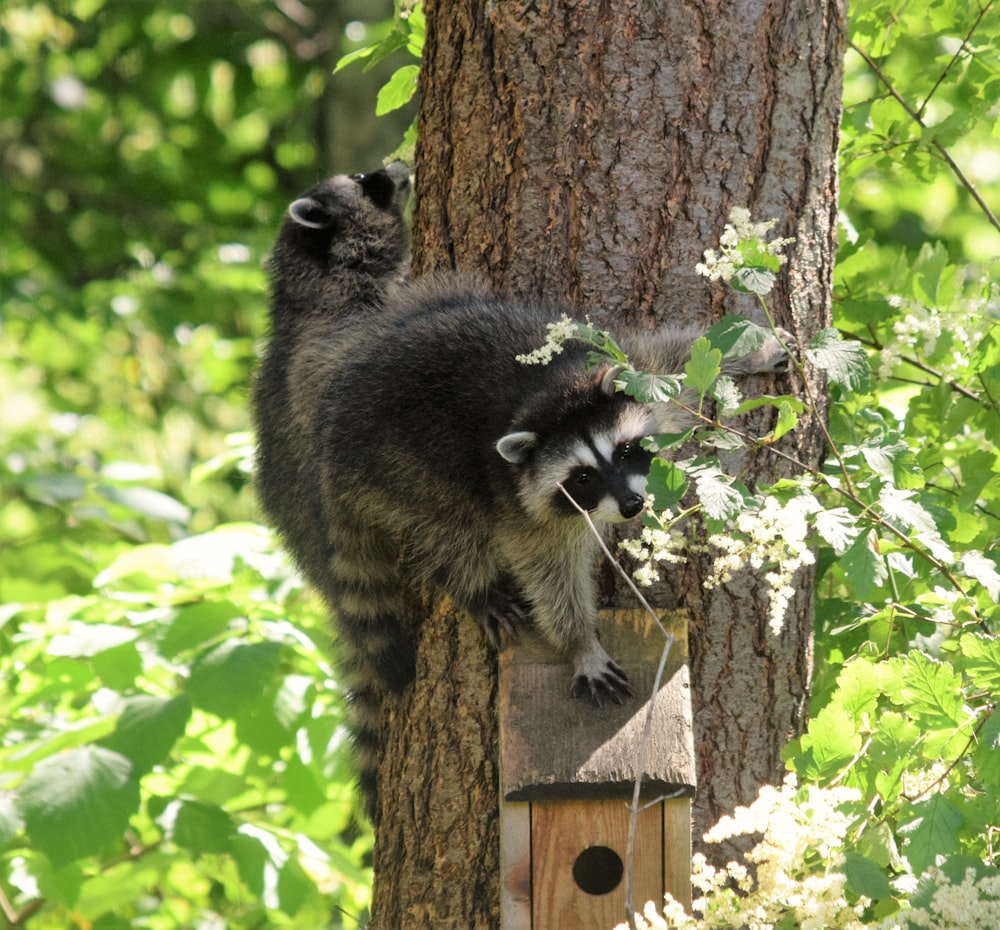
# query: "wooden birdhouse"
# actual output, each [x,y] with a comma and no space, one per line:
[567,777]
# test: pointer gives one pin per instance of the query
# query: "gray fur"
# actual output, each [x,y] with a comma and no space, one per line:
[403,446]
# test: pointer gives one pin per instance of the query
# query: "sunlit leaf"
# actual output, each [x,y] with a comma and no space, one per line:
[933,832]
[666,483]
[77,803]
[147,729]
[844,362]
[720,496]
[864,566]
[398,90]
[232,675]
[703,367]
[865,877]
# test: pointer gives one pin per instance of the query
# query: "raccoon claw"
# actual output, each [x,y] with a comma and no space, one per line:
[501,618]
[601,678]
[614,686]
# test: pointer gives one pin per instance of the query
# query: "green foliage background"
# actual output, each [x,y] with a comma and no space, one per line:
[169,719]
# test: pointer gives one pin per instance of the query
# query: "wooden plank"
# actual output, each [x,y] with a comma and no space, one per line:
[515,865]
[677,850]
[554,746]
[560,833]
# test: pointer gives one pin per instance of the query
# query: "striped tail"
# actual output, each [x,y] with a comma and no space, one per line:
[372,607]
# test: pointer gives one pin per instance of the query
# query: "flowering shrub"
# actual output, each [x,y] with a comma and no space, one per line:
[890,818]
[802,874]
[894,825]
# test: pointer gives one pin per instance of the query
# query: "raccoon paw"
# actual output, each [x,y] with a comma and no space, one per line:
[772,356]
[502,617]
[598,676]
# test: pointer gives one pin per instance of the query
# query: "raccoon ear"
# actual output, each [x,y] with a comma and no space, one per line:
[311,213]
[608,379]
[516,447]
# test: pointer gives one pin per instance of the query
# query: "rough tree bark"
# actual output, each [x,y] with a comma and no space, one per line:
[586,153]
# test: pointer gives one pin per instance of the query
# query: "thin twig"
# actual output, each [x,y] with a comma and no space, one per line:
[920,366]
[982,12]
[633,820]
[963,180]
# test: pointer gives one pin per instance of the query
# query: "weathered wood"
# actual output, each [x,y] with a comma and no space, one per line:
[556,747]
[515,865]
[677,850]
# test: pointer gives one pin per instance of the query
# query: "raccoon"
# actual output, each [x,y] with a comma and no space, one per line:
[403,448]
[343,245]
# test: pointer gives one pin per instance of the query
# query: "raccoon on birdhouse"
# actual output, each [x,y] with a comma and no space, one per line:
[402,445]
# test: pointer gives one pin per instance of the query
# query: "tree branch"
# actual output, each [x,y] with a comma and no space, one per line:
[916,117]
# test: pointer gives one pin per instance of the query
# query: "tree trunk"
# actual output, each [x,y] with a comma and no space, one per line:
[585,154]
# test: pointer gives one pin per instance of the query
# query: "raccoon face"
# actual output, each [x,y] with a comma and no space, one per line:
[609,482]
[604,473]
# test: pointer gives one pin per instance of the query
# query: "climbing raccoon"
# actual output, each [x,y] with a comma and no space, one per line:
[342,247]
[405,447]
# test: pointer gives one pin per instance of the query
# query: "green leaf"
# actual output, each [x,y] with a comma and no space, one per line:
[770,400]
[703,367]
[648,388]
[666,483]
[895,461]
[903,510]
[148,502]
[736,336]
[845,363]
[787,418]
[195,624]
[984,570]
[986,756]
[931,692]
[607,348]
[721,496]
[864,566]
[232,676]
[981,661]
[837,528]
[398,90]
[376,52]
[294,887]
[11,822]
[199,827]
[727,395]
[932,833]
[865,877]
[893,746]
[858,689]
[830,743]
[89,639]
[986,355]
[79,802]
[753,280]
[147,729]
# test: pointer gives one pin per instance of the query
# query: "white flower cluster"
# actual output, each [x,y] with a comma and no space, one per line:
[558,332]
[798,866]
[722,265]
[973,904]
[799,876]
[920,329]
[773,537]
[656,545]
[919,326]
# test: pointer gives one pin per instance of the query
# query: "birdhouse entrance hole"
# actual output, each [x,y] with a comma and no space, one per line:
[598,870]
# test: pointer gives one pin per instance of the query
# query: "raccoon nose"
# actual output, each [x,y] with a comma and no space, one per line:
[630,506]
